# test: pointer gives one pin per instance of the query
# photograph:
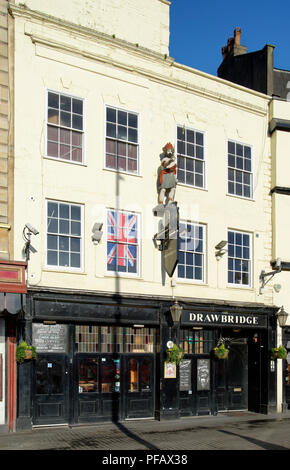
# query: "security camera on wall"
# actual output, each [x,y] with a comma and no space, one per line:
[277,264]
[97,233]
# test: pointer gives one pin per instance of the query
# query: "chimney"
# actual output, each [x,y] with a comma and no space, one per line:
[237,36]
[233,46]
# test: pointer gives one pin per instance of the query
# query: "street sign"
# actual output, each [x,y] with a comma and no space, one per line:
[171,224]
[168,237]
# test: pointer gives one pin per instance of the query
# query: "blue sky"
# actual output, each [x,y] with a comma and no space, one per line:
[199,29]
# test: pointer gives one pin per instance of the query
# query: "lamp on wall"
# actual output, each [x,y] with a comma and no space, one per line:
[282,316]
[176,311]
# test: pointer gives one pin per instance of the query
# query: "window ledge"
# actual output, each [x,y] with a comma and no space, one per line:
[55,269]
[240,286]
[64,161]
[123,276]
[191,186]
[250,199]
[192,282]
[111,170]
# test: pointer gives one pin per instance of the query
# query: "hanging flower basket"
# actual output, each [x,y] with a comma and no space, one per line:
[221,352]
[278,353]
[174,354]
[25,352]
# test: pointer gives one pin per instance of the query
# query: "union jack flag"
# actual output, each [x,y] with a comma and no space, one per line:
[122,241]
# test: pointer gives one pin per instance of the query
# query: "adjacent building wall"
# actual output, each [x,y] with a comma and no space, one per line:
[6,137]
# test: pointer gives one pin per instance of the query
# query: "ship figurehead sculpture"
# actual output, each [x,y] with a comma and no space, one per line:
[166,178]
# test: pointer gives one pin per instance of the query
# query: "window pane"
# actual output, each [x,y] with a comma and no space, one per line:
[52,149]
[52,258]
[52,133]
[53,100]
[110,375]
[65,103]
[88,375]
[133,376]
[52,225]
[63,258]
[53,116]
[75,212]
[77,122]
[64,211]
[77,106]
[65,119]
[111,115]
[75,260]
[145,376]
[133,120]
[111,130]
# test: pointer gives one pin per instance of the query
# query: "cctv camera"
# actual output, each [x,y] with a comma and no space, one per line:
[31,229]
[278,263]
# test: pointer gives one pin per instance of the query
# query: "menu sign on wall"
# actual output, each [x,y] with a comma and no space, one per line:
[50,338]
[185,375]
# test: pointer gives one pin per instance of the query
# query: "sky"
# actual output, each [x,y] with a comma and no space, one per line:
[199,29]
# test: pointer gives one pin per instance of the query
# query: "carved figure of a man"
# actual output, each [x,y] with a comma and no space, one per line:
[166,180]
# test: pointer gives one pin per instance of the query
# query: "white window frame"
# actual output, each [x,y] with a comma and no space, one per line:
[250,260]
[58,126]
[81,237]
[137,144]
[243,171]
[204,160]
[137,244]
[203,253]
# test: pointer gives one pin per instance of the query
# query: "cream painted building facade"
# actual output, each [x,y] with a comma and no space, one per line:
[95,102]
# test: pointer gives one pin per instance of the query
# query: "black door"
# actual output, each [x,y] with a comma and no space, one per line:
[50,405]
[98,393]
[195,386]
[231,378]
[139,386]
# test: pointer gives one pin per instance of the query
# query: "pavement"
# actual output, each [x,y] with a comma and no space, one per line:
[227,431]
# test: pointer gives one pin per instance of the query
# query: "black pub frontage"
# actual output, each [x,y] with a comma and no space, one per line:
[101,357]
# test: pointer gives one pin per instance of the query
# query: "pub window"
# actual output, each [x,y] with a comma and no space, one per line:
[122,146]
[114,339]
[65,127]
[192,252]
[87,338]
[240,172]
[139,340]
[190,157]
[64,235]
[197,341]
[239,258]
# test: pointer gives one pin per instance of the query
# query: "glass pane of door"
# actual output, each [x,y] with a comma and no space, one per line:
[133,376]
[145,375]
[110,375]
[88,375]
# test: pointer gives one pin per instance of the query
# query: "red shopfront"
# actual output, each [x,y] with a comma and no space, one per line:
[12,288]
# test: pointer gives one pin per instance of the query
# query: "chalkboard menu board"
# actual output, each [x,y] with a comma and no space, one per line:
[50,338]
[185,375]
[203,374]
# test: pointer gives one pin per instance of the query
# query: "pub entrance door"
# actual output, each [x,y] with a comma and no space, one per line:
[231,378]
[139,386]
[114,387]
[195,386]
[98,393]
[51,390]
